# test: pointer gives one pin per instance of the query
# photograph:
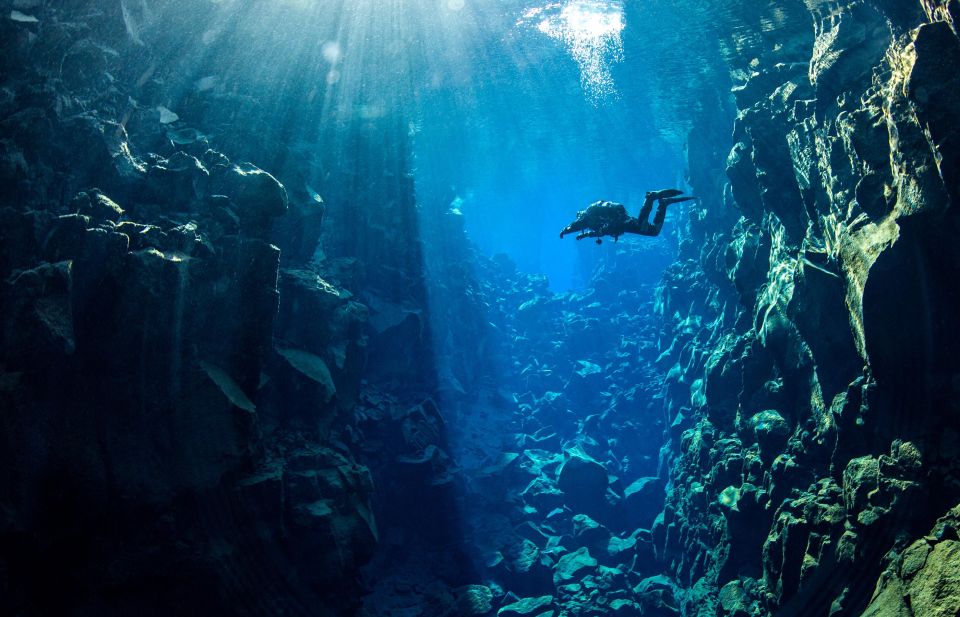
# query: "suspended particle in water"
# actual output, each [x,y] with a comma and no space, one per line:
[331,52]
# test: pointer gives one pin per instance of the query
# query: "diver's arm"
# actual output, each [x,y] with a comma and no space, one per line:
[569,229]
[593,233]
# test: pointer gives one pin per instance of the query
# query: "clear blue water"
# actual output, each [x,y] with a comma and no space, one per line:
[543,110]
[524,112]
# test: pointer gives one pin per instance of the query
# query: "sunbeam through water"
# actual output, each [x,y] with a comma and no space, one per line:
[591,32]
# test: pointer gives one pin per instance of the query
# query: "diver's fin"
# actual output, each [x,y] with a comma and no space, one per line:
[665,193]
[675,200]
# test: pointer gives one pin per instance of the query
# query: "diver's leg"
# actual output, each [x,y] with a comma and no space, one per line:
[661,214]
[636,226]
[658,218]
[647,206]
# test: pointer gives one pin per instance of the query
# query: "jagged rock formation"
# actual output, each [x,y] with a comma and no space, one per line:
[808,323]
[178,402]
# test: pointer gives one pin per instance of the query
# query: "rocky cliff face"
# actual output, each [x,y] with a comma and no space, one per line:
[809,324]
[178,401]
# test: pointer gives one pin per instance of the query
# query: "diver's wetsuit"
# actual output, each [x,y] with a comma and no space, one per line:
[640,225]
[607,218]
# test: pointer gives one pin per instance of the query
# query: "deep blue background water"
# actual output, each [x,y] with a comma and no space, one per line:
[498,110]
[514,133]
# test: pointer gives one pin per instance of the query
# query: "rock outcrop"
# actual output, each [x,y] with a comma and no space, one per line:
[808,324]
[178,397]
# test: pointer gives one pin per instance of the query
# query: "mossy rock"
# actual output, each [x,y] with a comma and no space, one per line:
[528,607]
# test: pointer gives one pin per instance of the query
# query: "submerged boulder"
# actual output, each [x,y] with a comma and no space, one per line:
[97,206]
[623,607]
[257,195]
[541,493]
[657,595]
[39,317]
[771,431]
[924,579]
[529,607]
[574,566]
[584,483]
[474,601]
[589,533]
[642,501]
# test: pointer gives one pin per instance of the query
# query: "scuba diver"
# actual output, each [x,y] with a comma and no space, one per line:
[607,218]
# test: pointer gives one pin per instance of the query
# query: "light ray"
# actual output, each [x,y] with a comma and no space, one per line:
[591,32]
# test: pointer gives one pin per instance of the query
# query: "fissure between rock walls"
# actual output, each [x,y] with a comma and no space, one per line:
[204,410]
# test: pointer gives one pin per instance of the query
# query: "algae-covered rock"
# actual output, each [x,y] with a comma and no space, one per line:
[474,600]
[573,566]
[924,579]
[733,600]
[529,607]
[657,596]
[622,607]
[860,479]
[97,206]
[771,431]
[255,192]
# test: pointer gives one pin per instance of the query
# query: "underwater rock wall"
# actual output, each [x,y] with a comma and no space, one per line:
[179,374]
[809,324]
